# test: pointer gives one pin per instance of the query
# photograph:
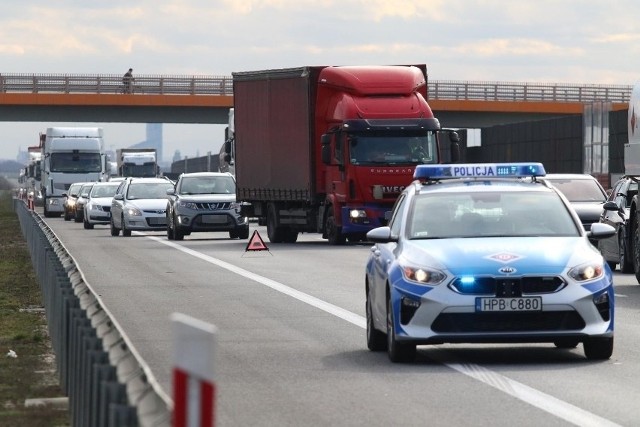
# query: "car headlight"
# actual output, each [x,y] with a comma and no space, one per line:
[134,212]
[236,206]
[588,271]
[188,205]
[422,275]
[71,202]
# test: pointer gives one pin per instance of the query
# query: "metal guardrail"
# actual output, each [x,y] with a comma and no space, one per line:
[223,85]
[107,382]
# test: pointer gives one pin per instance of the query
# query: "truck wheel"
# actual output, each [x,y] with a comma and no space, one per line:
[47,214]
[275,233]
[290,236]
[334,233]
[67,215]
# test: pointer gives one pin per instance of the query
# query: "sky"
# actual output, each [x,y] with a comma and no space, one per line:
[551,41]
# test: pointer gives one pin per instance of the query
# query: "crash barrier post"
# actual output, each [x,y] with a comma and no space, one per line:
[194,345]
[107,382]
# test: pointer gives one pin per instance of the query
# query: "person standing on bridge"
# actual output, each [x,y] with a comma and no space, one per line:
[127,80]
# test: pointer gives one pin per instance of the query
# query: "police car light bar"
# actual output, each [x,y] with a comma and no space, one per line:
[478,170]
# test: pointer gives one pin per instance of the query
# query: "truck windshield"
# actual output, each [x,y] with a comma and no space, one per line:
[75,162]
[393,149]
[145,170]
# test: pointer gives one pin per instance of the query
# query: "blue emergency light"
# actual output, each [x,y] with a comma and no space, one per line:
[478,170]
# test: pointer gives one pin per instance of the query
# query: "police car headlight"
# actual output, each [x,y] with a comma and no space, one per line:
[422,275]
[589,271]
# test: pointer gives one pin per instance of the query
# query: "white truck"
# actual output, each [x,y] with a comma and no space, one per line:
[137,162]
[228,149]
[31,176]
[69,155]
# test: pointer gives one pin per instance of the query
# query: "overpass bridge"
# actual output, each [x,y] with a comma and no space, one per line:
[207,99]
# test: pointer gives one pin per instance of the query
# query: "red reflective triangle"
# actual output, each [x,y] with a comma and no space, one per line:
[256,243]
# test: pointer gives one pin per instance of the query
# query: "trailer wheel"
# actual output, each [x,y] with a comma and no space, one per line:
[334,233]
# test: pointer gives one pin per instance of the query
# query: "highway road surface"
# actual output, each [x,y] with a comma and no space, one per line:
[292,348]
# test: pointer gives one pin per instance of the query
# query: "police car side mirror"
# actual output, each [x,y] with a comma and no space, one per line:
[381,235]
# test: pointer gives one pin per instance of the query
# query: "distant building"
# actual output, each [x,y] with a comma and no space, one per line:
[153,140]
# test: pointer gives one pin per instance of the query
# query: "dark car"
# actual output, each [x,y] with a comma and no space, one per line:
[69,205]
[617,249]
[584,192]
[83,196]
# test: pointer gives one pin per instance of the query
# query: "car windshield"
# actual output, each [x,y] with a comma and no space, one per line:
[208,185]
[103,191]
[148,190]
[489,214]
[579,190]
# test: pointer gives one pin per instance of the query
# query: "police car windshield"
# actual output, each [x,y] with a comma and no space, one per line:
[489,214]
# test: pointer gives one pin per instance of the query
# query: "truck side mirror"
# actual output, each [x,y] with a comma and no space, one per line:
[326,154]
[325,140]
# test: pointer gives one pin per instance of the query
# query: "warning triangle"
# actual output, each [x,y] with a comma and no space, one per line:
[256,243]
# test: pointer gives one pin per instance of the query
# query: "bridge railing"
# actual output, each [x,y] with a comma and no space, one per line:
[223,85]
[109,83]
[509,91]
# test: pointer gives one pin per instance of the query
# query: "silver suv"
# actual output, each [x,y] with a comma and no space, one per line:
[205,201]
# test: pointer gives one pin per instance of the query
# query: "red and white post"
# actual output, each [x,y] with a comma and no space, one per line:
[194,388]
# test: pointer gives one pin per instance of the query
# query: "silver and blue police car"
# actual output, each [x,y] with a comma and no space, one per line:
[486,253]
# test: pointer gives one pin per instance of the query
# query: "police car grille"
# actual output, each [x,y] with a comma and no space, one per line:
[218,206]
[509,286]
[508,322]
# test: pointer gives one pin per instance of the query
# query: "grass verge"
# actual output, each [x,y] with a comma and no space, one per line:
[23,330]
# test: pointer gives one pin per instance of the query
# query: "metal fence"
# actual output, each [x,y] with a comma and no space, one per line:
[223,85]
[107,382]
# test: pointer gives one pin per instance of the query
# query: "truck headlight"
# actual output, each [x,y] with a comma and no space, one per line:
[357,213]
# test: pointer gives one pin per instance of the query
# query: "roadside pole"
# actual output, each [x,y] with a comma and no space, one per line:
[194,388]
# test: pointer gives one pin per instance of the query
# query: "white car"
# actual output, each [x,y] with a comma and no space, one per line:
[97,209]
[140,204]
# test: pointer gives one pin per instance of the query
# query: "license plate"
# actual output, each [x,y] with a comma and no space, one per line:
[157,221]
[509,304]
[214,219]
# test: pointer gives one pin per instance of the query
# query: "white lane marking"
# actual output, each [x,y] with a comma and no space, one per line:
[539,399]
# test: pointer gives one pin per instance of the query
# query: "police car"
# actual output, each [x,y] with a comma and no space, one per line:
[486,253]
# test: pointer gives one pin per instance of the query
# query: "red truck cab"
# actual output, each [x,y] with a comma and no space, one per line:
[329,149]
